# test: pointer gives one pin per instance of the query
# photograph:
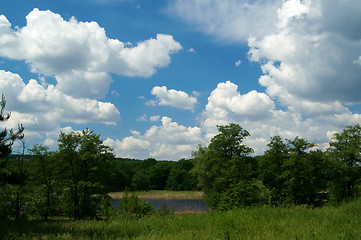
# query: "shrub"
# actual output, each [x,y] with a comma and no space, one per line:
[132,206]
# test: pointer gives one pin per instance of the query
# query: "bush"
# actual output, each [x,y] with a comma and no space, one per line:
[132,206]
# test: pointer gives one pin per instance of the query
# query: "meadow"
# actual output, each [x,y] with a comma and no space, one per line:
[330,222]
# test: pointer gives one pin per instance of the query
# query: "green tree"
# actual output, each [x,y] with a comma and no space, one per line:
[7,137]
[158,174]
[345,151]
[293,173]
[141,181]
[12,173]
[271,168]
[85,165]
[43,184]
[122,178]
[217,168]
[180,178]
[295,169]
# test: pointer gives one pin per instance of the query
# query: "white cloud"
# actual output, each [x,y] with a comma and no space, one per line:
[43,108]
[191,50]
[151,103]
[170,141]
[228,20]
[154,118]
[238,62]
[257,113]
[309,59]
[142,118]
[226,99]
[79,54]
[309,52]
[145,118]
[195,94]
[174,98]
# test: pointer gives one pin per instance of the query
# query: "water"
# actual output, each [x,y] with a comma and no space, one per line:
[177,205]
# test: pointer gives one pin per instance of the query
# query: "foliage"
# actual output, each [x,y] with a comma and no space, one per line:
[74,180]
[345,152]
[45,188]
[224,171]
[158,175]
[140,181]
[12,173]
[84,164]
[132,206]
[270,168]
[293,173]
[180,178]
[7,137]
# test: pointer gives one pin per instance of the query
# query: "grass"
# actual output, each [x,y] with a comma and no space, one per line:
[162,195]
[342,223]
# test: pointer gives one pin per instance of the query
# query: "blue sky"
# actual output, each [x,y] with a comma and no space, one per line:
[154,78]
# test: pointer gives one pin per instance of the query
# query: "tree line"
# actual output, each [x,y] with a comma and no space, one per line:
[75,180]
[291,171]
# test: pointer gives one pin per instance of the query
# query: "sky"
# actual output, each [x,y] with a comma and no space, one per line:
[155,78]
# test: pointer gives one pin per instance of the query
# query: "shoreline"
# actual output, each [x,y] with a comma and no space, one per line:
[161,195]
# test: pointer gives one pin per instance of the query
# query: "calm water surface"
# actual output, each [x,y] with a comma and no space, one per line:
[177,205]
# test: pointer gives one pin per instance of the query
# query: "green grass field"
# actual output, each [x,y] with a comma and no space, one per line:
[342,222]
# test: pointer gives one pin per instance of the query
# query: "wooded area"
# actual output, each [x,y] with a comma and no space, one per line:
[75,180]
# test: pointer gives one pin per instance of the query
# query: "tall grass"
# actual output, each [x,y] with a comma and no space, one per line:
[342,223]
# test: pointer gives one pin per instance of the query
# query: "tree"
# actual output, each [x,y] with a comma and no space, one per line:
[180,178]
[158,174]
[43,184]
[7,137]
[12,179]
[345,151]
[217,168]
[85,165]
[271,168]
[141,181]
[294,172]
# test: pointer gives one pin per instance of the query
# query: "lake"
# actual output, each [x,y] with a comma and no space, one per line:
[182,205]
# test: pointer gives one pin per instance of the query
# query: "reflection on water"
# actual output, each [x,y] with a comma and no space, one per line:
[177,205]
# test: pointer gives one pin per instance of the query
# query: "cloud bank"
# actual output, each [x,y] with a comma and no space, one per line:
[309,54]
[81,58]
[79,54]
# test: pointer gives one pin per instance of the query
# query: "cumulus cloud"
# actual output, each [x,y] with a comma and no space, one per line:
[81,58]
[169,141]
[309,53]
[79,54]
[43,108]
[226,99]
[257,113]
[230,20]
[308,58]
[174,98]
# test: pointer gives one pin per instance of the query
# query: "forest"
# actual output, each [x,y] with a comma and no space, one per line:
[74,181]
